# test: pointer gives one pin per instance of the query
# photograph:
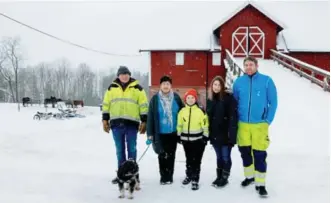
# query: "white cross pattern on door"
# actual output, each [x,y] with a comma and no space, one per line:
[248,41]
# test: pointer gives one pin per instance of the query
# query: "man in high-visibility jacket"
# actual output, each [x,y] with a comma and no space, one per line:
[256,95]
[125,109]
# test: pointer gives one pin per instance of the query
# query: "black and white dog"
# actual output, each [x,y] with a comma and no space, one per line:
[128,173]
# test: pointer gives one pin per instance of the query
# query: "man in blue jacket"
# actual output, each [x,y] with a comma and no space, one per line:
[256,95]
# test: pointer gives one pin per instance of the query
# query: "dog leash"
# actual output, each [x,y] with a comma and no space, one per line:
[143,153]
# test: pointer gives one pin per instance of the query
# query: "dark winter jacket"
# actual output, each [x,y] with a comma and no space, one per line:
[153,120]
[223,120]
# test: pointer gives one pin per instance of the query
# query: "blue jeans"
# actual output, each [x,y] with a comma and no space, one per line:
[223,156]
[125,134]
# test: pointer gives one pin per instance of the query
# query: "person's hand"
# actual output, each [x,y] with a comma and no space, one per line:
[149,140]
[205,140]
[106,127]
[142,128]
[179,141]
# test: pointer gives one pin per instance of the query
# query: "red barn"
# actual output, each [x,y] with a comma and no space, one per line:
[250,29]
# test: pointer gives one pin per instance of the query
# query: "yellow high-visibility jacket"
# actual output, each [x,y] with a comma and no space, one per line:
[129,104]
[192,123]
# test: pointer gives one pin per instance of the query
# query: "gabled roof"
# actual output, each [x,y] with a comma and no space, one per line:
[242,7]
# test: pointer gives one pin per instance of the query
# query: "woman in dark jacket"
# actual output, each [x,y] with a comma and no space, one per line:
[223,121]
[161,127]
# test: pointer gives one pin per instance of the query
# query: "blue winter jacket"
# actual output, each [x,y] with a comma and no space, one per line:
[257,98]
[164,125]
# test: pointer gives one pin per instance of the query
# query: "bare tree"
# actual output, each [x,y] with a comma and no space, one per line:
[10,64]
[63,77]
[5,72]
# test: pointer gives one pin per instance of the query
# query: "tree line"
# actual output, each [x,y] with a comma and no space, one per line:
[57,78]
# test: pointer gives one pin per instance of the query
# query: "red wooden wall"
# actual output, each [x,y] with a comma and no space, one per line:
[192,73]
[319,59]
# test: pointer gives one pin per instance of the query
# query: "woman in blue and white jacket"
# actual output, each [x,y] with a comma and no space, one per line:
[161,127]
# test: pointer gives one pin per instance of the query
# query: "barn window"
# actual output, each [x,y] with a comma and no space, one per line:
[179,58]
[216,59]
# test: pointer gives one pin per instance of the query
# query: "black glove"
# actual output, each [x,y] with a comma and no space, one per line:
[205,140]
[230,144]
[179,141]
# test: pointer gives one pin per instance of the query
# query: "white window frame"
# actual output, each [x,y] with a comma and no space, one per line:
[216,58]
[180,58]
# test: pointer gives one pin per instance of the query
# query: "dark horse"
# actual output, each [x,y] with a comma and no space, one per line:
[52,100]
[26,101]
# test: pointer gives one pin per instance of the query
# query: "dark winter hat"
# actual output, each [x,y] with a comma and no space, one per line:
[165,78]
[123,70]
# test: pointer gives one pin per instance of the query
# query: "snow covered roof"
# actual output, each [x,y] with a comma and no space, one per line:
[244,5]
[189,25]
[211,45]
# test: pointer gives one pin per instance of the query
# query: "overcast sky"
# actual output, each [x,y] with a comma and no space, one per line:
[115,27]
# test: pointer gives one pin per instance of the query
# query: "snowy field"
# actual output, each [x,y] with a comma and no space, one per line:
[71,161]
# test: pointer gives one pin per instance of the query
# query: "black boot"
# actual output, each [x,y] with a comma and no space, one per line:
[261,190]
[188,177]
[195,185]
[224,178]
[170,177]
[186,181]
[163,168]
[164,177]
[247,182]
[195,179]
[216,182]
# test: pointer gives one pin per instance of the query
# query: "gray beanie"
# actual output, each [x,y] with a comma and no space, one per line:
[123,70]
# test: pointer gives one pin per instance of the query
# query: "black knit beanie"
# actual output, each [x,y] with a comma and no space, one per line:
[165,78]
[123,70]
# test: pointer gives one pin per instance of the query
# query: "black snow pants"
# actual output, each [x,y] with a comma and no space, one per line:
[194,152]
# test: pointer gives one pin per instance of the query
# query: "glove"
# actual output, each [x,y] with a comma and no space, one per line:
[149,140]
[105,126]
[142,128]
[179,141]
[231,145]
[205,140]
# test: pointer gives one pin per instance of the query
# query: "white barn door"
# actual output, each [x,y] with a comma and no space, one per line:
[248,41]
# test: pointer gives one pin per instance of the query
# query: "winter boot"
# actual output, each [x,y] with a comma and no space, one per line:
[164,177]
[261,190]
[247,182]
[163,180]
[170,179]
[195,185]
[186,181]
[224,178]
[188,177]
[216,182]
[170,176]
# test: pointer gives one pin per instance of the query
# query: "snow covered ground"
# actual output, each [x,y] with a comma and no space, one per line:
[71,161]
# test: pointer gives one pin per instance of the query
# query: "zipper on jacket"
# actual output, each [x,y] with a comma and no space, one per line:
[250,99]
[263,115]
[189,122]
